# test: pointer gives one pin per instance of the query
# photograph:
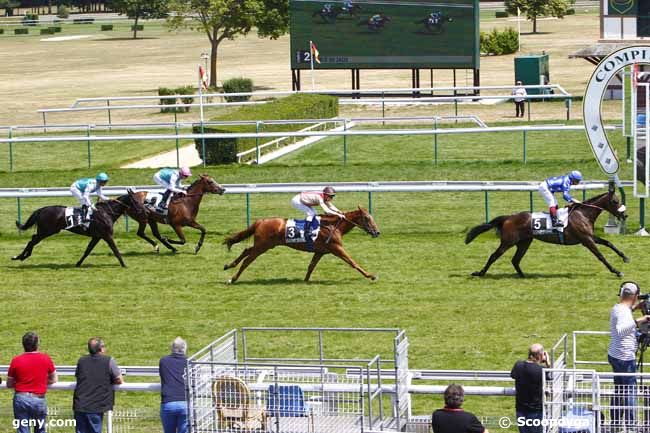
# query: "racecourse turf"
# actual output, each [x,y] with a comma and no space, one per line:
[453,320]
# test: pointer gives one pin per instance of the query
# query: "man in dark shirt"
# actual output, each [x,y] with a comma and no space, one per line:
[96,374]
[528,386]
[453,419]
[173,404]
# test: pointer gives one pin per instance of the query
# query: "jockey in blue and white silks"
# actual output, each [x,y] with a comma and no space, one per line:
[559,184]
[82,188]
[347,5]
[170,179]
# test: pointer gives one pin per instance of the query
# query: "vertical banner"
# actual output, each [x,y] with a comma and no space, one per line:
[627,99]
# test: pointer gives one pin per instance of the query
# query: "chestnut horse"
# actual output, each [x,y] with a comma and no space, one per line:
[50,220]
[182,212]
[515,230]
[270,233]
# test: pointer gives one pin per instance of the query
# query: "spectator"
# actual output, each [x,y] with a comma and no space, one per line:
[622,351]
[173,404]
[529,388]
[519,94]
[453,419]
[30,374]
[96,374]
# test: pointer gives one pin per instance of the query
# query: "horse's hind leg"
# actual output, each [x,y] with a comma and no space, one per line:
[255,252]
[522,248]
[312,264]
[493,258]
[241,257]
[28,248]
[141,233]
[89,248]
[591,246]
[156,233]
[611,246]
[180,234]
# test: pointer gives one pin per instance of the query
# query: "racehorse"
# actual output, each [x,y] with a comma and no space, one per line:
[375,25]
[334,13]
[515,230]
[434,27]
[270,232]
[182,212]
[50,220]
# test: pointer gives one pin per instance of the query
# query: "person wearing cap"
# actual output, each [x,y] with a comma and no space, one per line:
[305,202]
[170,179]
[621,353]
[82,188]
[529,389]
[562,184]
[519,94]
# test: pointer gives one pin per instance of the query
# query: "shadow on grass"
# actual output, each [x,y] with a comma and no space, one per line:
[53,266]
[527,276]
[284,282]
[124,39]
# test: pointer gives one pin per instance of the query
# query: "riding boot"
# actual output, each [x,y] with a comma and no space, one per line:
[84,213]
[162,206]
[308,224]
[554,219]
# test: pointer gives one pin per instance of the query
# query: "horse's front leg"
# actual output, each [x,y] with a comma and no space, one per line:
[89,248]
[198,226]
[181,236]
[591,246]
[156,233]
[611,246]
[111,243]
[141,228]
[339,251]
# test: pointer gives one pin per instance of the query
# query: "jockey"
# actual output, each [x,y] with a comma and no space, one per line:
[327,8]
[347,5]
[559,184]
[434,17]
[376,19]
[305,201]
[170,179]
[82,188]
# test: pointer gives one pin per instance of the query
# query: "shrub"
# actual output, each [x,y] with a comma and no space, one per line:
[21,31]
[139,27]
[300,106]
[83,20]
[571,11]
[185,90]
[238,85]
[107,27]
[55,29]
[501,14]
[47,31]
[2,31]
[63,12]
[498,43]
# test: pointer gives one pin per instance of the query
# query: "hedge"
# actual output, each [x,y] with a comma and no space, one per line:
[238,85]
[56,29]
[501,14]
[107,27]
[30,20]
[185,90]
[571,11]
[2,31]
[47,31]
[21,31]
[299,106]
[139,27]
[83,20]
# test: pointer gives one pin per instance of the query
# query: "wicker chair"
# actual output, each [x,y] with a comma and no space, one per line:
[234,407]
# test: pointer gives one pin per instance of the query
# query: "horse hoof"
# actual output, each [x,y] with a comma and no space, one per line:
[156,249]
[477,274]
[225,267]
[374,277]
[230,281]
[15,258]
[78,265]
[619,274]
[626,260]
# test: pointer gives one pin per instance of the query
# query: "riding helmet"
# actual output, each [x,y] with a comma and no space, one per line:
[185,172]
[328,190]
[575,175]
[102,177]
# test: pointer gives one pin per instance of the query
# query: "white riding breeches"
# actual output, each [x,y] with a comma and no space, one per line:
[161,182]
[547,195]
[83,200]
[309,212]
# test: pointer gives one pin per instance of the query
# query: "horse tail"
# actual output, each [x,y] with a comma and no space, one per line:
[238,237]
[30,221]
[474,232]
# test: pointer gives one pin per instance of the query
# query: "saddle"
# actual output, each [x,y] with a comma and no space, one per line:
[541,223]
[74,217]
[296,231]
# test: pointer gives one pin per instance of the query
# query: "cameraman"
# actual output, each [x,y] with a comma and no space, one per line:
[622,350]
[529,387]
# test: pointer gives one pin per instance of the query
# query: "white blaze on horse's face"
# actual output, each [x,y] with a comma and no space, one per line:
[621,209]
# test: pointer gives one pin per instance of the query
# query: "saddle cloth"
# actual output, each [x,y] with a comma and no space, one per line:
[296,232]
[74,217]
[541,222]
[152,201]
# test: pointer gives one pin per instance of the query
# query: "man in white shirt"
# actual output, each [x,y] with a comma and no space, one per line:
[622,351]
[519,94]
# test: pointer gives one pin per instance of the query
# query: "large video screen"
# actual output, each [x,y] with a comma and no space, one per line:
[385,34]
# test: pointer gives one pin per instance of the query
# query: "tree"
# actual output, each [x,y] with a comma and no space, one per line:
[535,8]
[140,9]
[227,19]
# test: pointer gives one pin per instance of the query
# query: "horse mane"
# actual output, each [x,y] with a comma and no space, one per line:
[598,197]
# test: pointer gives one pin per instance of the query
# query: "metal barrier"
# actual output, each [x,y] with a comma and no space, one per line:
[368,187]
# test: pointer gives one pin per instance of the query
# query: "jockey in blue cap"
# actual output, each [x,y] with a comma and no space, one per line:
[82,188]
[559,184]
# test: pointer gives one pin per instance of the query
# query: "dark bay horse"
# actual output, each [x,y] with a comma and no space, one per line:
[50,220]
[182,212]
[270,232]
[515,230]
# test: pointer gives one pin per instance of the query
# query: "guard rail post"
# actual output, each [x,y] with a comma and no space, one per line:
[530,198]
[178,156]
[567,103]
[487,207]
[642,213]
[248,209]
[383,108]
[345,142]
[108,109]
[20,220]
[524,146]
[11,151]
[370,202]
[44,123]
[88,144]
[258,125]
[435,141]
[528,101]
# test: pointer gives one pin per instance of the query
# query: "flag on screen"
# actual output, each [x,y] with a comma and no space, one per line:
[203,75]
[314,52]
